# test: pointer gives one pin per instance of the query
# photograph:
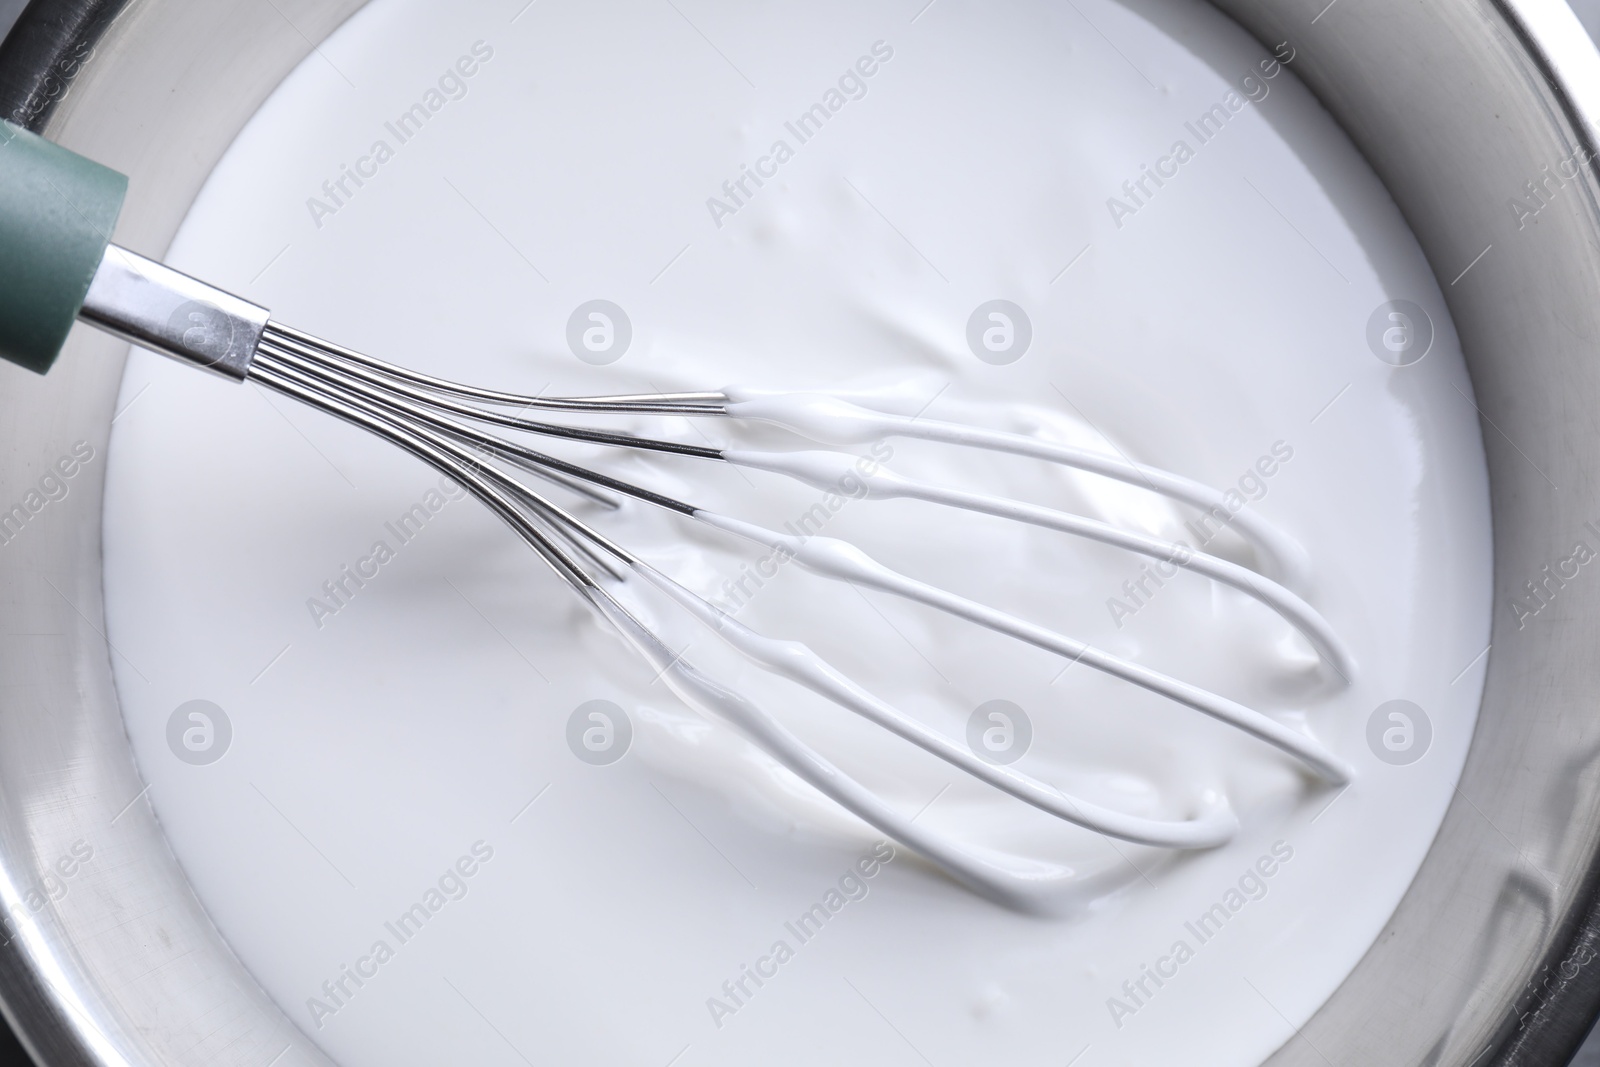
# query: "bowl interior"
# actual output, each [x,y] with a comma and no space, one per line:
[1456,105]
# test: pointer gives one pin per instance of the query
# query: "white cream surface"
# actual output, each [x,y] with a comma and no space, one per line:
[417,724]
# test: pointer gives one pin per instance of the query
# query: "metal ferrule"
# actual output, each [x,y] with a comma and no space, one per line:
[165,311]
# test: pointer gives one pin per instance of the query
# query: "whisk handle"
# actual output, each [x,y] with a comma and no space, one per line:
[57,210]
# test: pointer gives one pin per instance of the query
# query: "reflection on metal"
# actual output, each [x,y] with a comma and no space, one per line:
[125,967]
[1457,105]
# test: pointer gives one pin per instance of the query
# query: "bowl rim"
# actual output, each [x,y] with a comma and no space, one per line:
[1545,1021]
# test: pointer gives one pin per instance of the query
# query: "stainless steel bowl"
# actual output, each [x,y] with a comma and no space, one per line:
[1493,957]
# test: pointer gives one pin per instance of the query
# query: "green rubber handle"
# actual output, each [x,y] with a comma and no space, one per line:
[56,214]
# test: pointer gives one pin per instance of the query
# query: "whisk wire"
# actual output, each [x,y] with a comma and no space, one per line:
[423,415]
[447,425]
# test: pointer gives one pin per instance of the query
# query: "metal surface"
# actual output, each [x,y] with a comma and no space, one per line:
[1489,958]
[124,966]
[46,51]
[449,434]
[1492,956]
[150,304]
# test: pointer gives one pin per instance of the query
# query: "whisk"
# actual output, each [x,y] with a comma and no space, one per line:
[57,264]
